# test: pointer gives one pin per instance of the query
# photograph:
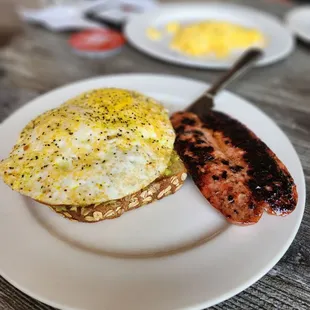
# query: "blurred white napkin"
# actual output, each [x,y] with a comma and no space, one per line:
[71,16]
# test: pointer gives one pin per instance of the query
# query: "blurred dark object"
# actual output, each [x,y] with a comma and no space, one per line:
[10,24]
[303,44]
[114,19]
[116,25]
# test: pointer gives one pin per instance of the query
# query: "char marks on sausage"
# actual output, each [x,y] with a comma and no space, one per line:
[237,172]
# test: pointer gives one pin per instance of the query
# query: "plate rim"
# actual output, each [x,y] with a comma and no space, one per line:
[216,66]
[254,278]
[292,26]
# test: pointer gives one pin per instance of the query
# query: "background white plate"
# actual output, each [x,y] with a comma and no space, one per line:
[175,253]
[279,46]
[298,20]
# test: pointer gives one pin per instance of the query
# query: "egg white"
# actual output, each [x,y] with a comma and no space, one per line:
[101,145]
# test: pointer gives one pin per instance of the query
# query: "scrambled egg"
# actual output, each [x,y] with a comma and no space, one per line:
[154,34]
[101,145]
[172,27]
[215,38]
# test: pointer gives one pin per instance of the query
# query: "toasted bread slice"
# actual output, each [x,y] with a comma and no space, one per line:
[168,183]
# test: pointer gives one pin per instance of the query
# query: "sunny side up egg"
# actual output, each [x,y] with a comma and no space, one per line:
[101,145]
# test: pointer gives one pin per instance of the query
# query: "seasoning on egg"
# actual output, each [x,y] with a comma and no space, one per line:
[103,137]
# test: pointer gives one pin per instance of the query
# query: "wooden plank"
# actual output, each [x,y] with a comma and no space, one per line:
[38,61]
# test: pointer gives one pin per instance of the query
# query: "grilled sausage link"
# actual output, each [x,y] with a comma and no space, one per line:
[234,170]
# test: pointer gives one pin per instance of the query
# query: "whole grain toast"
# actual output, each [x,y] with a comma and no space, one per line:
[168,183]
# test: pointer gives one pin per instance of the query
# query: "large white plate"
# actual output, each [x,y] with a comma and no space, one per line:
[172,254]
[280,41]
[298,20]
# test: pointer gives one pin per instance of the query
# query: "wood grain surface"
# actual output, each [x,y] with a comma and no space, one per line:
[38,61]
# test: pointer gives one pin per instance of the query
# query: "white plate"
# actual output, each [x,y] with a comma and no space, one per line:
[298,20]
[280,42]
[178,253]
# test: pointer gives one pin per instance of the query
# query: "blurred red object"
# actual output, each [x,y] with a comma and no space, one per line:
[97,41]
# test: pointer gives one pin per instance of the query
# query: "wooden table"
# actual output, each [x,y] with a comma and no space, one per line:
[38,61]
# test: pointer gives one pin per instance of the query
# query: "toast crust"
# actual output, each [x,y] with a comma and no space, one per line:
[161,187]
[166,184]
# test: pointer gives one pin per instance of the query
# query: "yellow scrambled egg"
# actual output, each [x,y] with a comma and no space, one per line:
[215,38]
[154,34]
[101,145]
[172,27]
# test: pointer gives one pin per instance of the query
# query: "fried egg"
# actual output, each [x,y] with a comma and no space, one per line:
[102,145]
